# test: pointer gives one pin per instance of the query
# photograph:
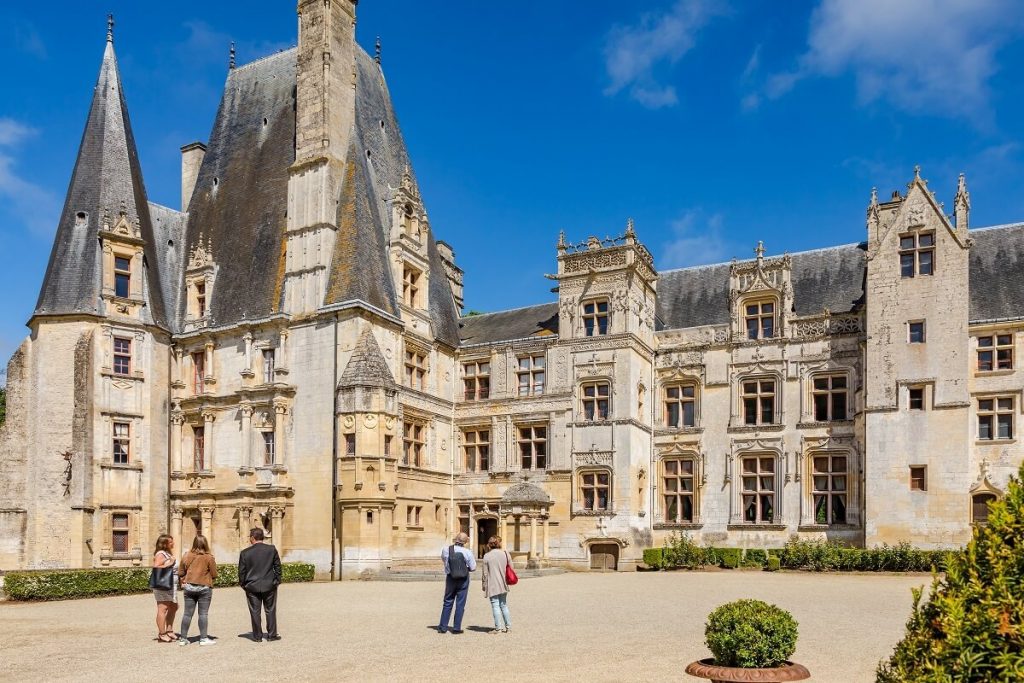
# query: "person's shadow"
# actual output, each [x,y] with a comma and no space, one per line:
[479,629]
[248,636]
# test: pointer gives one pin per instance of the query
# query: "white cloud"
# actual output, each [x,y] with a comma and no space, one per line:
[34,206]
[922,56]
[696,240]
[634,53]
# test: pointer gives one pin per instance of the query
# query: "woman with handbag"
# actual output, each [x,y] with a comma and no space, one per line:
[497,576]
[162,580]
[197,571]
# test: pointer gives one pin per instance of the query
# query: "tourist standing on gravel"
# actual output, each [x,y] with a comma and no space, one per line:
[458,563]
[494,567]
[197,571]
[166,600]
[259,575]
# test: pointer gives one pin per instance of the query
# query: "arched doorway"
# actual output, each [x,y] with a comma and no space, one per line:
[604,557]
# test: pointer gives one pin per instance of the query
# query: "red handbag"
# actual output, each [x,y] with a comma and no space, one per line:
[510,573]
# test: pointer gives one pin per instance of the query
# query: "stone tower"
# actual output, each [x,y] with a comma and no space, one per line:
[87,485]
[917,400]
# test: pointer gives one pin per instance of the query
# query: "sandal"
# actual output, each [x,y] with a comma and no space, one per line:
[166,638]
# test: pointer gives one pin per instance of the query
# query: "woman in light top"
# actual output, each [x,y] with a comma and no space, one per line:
[166,600]
[494,564]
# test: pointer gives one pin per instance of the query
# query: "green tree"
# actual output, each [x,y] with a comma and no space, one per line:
[972,626]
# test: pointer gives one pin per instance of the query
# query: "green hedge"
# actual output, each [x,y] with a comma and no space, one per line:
[818,556]
[67,584]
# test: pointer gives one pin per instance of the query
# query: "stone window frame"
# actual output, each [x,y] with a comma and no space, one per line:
[596,316]
[479,379]
[994,349]
[910,255]
[680,385]
[814,476]
[479,446]
[417,372]
[814,392]
[413,281]
[533,440]
[923,339]
[198,303]
[741,397]
[122,274]
[664,493]
[596,399]
[199,447]
[582,474]
[269,446]
[994,414]
[199,372]
[121,444]
[123,532]
[530,372]
[760,299]
[267,372]
[759,491]
[414,516]
[122,355]
[414,442]
[919,474]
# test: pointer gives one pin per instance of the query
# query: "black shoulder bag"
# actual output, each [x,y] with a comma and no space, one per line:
[162,578]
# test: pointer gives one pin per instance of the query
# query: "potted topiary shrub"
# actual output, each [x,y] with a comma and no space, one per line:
[751,641]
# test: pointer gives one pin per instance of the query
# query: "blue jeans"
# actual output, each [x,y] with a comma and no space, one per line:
[499,606]
[455,591]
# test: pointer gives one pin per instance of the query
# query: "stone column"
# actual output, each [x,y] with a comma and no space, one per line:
[504,530]
[208,359]
[277,526]
[472,531]
[246,411]
[176,515]
[208,462]
[248,351]
[280,409]
[282,362]
[544,546]
[533,540]
[176,421]
[244,525]
[207,513]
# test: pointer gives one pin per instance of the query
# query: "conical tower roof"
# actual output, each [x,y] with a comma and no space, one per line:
[367,367]
[106,183]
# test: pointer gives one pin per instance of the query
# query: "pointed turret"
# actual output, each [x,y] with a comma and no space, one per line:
[106,197]
[962,205]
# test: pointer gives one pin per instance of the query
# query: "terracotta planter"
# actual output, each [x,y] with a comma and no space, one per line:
[706,668]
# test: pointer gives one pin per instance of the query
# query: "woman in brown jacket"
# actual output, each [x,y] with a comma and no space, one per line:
[197,571]
[494,564]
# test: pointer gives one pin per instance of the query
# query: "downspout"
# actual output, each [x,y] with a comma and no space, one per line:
[334,456]
[451,455]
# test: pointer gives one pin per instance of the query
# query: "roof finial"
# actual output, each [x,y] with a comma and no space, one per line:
[110,28]
[629,228]
[874,196]
[561,239]
[917,171]
[231,56]
[759,250]
[376,51]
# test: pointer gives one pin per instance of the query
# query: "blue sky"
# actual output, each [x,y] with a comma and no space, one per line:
[713,125]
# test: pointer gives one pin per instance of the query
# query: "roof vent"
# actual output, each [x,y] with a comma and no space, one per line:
[896,195]
[80,219]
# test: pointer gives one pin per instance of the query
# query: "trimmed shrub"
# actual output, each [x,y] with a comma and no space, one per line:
[750,634]
[730,558]
[654,558]
[971,627]
[826,556]
[754,558]
[773,564]
[683,553]
[68,584]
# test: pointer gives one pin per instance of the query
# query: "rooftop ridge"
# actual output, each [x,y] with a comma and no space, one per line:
[164,206]
[264,58]
[507,310]
[750,260]
[1019,224]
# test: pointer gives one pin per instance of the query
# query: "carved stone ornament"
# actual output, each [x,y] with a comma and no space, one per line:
[348,421]
[915,214]
[389,422]
[370,421]
[200,257]
[706,668]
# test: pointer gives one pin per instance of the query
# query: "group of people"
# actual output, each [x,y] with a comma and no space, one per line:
[459,562]
[259,574]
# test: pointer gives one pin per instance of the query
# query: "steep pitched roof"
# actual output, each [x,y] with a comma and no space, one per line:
[107,180]
[240,199]
[997,272]
[366,366]
[517,323]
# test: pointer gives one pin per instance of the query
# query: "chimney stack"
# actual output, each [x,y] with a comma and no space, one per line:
[191,159]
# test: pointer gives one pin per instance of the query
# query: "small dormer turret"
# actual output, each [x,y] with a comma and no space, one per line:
[962,206]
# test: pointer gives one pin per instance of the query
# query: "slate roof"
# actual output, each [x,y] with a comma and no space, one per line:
[997,272]
[525,492]
[366,366]
[517,323]
[830,278]
[169,243]
[240,199]
[106,180]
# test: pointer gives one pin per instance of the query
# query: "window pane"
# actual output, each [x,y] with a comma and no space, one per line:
[688,390]
[821,383]
[907,265]
[121,285]
[985,404]
[839,382]
[767,387]
[750,411]
[671,508]
[686,514]
[767,327]
[839,483]
[924,262]
[752,309]
[671,466]
[1005,404]
[821,483]
[751,328]
[602,479]
[821,509]
[926,239]
[749,508]
[839,464]
[749,483]
[985,427]
[839,509]
[750,388]
[984,341]
[768,308]
[767,504]
[1005,426]
[821,407]
[839,406]
[906,243]
[686,466]
[767,411]
[670,484]
[602,499]
[689,418]
[984,360]
[1004,358]
[672,414]
[821,464]
[1004,339]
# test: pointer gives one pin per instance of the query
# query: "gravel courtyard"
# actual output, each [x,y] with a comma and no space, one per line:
[570,627]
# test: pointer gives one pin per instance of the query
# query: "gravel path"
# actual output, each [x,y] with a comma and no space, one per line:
[571,627]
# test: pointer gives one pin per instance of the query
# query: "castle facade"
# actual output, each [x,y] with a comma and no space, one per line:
[288,351]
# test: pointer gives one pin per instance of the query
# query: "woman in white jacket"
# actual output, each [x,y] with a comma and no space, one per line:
[494,564]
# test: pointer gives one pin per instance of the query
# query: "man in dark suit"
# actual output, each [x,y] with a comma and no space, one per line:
[259,573]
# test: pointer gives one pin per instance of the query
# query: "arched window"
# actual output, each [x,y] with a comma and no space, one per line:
[979,507]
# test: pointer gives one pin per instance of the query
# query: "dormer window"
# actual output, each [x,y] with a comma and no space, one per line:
[411,286]
[917,254]
[122,276]
[595,318]
[759,317]
[200,299]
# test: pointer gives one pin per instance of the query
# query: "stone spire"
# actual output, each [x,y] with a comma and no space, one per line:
[110,28]
[105,186]
[231,56]
[962,205]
